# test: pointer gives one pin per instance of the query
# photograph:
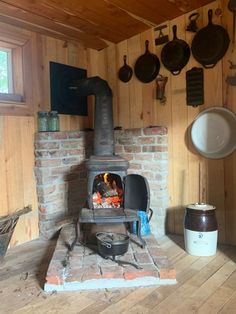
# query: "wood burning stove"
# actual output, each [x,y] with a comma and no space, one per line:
[113,197]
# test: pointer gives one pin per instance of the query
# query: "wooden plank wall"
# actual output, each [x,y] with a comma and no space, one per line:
[191,177]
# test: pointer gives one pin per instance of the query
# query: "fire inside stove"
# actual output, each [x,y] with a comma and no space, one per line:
[107,191]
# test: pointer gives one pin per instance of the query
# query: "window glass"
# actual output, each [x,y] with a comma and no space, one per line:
[5,71]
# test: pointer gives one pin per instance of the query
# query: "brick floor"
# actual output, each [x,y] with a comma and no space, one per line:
[84,269]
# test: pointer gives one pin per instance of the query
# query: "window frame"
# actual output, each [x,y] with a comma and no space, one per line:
[8,51]
[19,41]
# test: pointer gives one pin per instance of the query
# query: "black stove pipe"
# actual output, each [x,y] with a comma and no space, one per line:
[103,116]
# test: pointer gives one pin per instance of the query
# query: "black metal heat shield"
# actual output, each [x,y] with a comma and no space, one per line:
[136,192]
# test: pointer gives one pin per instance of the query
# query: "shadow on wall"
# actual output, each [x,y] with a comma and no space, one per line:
[175,220]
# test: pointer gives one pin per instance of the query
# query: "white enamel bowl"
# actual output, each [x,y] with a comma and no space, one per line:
[213,132]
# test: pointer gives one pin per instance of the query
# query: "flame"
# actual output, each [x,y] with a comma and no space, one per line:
[105,200]
[105,178]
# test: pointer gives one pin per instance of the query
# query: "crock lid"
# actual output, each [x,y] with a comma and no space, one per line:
[201,206]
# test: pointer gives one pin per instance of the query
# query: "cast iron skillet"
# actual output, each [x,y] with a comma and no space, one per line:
[147,66]
[210,43]
[125,73]
[175,54]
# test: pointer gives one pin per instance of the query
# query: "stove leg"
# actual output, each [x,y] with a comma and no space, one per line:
[143,243]
[77,236]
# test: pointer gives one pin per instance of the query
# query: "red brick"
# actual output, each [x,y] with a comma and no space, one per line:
[142,156]
[70,160]
[112,272]
[127,141]
[133,132]
[74,275]
[148,175]
[54,280]
[143,258]
[146,140]
[135,166]
[128,156]
[46,190]
[42,136]
[89,260]
[48,162]
[119,149]
[47,145]
[75,134]
[151,241]
[72,144]
[92,272]
[132,273]
[165,268]
[160,156]
[60,170]
[156,251]
[156,130]
[162,140]
[154,148]
[58,135]
[167,273]
[132,149]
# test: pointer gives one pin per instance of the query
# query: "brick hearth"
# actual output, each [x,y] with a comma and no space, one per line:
[62,180]
[84,269]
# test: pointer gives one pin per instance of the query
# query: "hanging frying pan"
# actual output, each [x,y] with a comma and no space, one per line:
[147,66]
[125,73]
[210,43]
[175,54]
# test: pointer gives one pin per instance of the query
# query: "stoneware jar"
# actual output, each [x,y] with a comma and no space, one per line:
[200,229]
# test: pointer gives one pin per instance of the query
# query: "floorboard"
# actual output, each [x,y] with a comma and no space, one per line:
[204,285]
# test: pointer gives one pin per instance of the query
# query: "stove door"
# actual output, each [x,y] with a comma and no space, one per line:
[136,192]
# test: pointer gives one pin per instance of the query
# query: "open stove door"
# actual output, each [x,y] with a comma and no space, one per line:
[136,192]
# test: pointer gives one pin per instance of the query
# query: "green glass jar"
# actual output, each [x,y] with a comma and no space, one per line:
[42,121]
[53,121]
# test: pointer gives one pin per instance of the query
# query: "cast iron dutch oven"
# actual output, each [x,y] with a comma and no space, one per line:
[175,54]
[112,244]
[125,73]
[147,66]
[210,43]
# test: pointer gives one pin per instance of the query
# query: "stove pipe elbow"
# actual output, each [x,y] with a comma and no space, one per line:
[103,116]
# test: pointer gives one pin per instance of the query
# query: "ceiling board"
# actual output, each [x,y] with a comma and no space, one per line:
[91,22]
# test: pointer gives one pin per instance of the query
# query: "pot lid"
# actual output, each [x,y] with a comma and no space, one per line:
[201,206]
[213,132]
[111,237]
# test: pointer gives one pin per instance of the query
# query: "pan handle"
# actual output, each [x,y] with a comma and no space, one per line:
[146,46]
[174,29]
[210,14]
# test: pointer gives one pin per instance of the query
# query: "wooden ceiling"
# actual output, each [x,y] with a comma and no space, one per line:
[94,23]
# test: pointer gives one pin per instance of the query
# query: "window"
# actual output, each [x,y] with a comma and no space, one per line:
[5,71]
[16,75]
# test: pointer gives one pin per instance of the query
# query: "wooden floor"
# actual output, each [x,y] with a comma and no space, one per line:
[205,285]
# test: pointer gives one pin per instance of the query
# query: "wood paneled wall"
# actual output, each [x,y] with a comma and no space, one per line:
[191,177]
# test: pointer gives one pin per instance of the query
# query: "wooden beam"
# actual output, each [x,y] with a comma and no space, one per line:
[158,11]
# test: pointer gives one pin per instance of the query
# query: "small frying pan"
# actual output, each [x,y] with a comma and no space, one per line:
[210,43]
[175,54]
[147,66]
[125,73]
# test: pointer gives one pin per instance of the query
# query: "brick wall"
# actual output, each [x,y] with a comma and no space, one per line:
[61,175]
[147,152]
